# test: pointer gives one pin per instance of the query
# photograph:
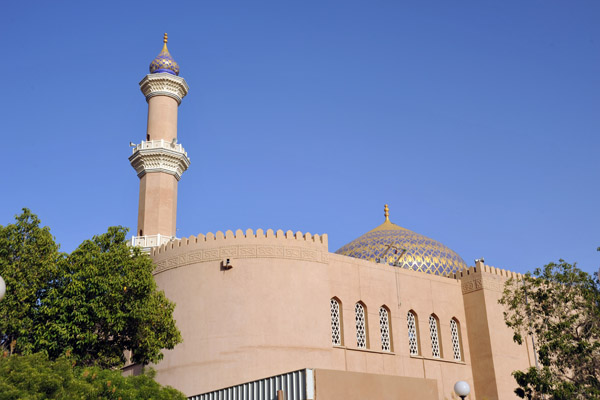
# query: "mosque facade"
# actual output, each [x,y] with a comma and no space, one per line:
[277,315]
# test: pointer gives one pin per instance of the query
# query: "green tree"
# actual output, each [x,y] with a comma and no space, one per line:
[34,377]
[29,260]
[559,306]
[94,303]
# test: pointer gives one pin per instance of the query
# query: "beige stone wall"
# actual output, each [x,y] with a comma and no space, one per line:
[489,338]
[336,385]
[270,312]
[401,290]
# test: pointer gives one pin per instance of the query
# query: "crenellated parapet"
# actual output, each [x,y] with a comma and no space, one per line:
[483,277]
[249,244]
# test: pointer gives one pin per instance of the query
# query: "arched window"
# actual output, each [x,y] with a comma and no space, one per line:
[455,332]
[434,328]
[336,317]
[384,327]
[361,325]
[413,339]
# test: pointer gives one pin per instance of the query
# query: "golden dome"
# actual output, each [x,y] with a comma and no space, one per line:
[400,247]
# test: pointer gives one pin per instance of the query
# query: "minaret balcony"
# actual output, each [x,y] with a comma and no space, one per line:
[159,156]
[148,241]
[164,84]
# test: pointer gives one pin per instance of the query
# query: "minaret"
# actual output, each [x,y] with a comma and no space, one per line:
[159,160]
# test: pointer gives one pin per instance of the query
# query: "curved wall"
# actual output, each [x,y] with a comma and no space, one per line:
[270,313]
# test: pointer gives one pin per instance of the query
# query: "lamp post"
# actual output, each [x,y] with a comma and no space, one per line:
[462,389]
[2,288]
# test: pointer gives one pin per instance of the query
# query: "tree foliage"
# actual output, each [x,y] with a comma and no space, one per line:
[559,306]
[29,260]
[34,377]
[94,303]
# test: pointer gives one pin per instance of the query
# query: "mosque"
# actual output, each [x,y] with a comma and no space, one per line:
[277,315]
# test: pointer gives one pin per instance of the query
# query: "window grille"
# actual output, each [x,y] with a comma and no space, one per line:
[361,330]
[336,332]
[433,332]
[412,334]
[384,325]
[455,340]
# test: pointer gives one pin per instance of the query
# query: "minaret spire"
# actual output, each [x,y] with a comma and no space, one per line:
[159,160]
[386,213]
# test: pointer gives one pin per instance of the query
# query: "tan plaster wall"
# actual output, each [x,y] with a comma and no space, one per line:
[270,313]
[484,375]
[157,211]
[401,290]
[335,385]
[162,118]
[497,354]
[508,355]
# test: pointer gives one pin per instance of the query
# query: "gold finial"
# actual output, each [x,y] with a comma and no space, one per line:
[165,38]
[386,212]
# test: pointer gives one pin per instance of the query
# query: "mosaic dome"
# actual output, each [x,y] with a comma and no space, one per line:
[164,62]
[400,247]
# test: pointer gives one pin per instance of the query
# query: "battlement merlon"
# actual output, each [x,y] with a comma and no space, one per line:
[483,276]
[240,237]
[228,247]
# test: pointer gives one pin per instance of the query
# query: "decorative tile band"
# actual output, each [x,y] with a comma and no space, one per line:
[242,251]
[477,282]
[480,283]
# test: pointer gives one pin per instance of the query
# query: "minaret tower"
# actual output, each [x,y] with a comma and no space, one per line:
[159,160]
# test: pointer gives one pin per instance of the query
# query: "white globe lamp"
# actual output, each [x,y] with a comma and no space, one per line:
[462,389]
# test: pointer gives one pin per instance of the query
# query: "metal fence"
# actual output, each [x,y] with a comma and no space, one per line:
[296,385]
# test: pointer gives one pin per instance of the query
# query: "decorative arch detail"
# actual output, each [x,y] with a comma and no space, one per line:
[434,333]
[385,328]
[337,338]
[456,339]
[413,333]
[360,316]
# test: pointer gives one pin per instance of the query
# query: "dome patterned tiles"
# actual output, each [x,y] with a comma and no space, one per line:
[400,247]
[164,62]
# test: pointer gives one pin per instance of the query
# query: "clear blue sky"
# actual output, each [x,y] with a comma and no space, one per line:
[476,121]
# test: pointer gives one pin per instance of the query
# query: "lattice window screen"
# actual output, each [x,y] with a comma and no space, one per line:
[361,330]
[433,332]
[455,340]
[384,326]
[412,334]
[336,333]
